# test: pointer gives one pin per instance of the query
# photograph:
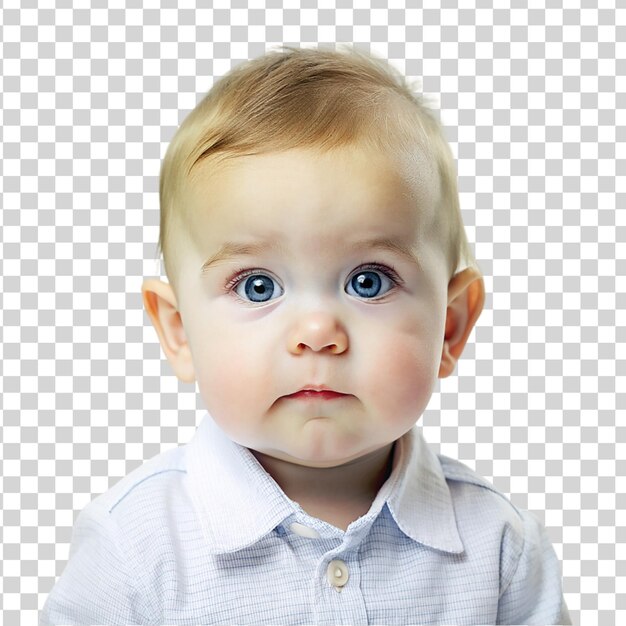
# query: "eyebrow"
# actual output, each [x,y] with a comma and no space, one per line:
[232,249]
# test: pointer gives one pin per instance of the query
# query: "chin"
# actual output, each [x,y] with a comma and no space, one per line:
[326,459]
[320,463]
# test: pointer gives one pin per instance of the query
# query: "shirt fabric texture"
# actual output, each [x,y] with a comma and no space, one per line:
[202,534]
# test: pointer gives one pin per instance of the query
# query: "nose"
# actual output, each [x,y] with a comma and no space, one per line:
[319,332]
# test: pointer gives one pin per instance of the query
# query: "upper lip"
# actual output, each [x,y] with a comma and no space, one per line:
[316,388]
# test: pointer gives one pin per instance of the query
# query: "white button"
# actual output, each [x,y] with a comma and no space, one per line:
[337,574]
[304,531]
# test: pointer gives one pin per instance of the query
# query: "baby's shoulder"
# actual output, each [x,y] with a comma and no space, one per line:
[453,469]
[476,497]
[148,483]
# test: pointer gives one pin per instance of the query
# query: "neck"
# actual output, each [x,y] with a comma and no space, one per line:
[335,494]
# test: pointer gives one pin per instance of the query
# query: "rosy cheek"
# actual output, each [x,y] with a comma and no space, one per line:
[406,368]
[232,379]
[219,372]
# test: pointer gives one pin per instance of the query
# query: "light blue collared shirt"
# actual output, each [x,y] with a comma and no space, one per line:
[201,534]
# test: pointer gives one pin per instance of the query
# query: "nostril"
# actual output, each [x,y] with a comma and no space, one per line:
[332,347]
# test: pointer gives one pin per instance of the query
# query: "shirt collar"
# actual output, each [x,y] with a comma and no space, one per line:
[420,499]
[238,502]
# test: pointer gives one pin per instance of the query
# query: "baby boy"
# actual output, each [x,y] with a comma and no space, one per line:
[319,282]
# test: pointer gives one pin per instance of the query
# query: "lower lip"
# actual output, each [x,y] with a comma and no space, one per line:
[317,395]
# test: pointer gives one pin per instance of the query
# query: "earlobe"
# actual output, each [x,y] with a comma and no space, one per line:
[162,308]
[466,297]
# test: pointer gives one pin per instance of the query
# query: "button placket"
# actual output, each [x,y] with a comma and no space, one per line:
[337,574]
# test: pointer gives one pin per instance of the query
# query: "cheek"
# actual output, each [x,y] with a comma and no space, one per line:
[409,371]
[404,367]
[230,373]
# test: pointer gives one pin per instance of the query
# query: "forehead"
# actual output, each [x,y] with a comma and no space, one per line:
[310,197]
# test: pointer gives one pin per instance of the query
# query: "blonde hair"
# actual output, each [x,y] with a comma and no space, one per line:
[309,98]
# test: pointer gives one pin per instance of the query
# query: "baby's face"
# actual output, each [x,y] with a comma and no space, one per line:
[314,291]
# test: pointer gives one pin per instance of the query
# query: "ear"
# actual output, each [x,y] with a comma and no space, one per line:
[466,296]
[160,302]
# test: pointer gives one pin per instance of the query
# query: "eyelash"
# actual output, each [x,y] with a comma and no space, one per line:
[242,273]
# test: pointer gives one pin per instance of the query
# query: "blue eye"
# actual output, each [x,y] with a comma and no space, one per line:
[367,283]
[256,287]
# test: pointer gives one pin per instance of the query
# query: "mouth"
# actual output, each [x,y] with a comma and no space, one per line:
[311,394]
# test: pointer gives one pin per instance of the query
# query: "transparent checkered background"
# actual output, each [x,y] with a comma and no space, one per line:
[533,100]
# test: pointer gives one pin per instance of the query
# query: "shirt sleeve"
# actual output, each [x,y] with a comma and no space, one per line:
[99,584]
[534,594]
